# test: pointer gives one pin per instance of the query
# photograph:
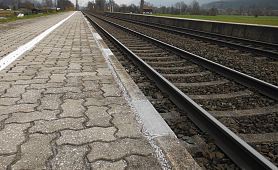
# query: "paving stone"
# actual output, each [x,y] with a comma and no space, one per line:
[127,125]
[104,71]
[111,90]
[52,68]
[74,66]
[43,75]
[70,158]
[98,116]
[32,116]
[102,79]
[33,81]
[105,101]
[31,96]
[74,81]
[56,90]
[8,101]
[4,87]
[17,108]
[35,152]
[2,117]
[18,69]
[82,74]
[57,78]
[78,96]
[118,149]
[91,86]
[57,125]
[7,77]
[72,108]
[5,161]
[105,165]
[50,102]
[47,85]
[86,135]
[142,162]
[11,136]
[119,109]
[15,91]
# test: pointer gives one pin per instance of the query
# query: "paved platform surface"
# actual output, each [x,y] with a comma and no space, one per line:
[15,34]
[60,108]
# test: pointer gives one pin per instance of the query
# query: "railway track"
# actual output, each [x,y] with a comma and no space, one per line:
[264,48]
[208,93]
[254,64]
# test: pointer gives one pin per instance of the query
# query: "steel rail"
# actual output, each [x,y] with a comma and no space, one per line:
[182,31]
[263,87]
[237,149]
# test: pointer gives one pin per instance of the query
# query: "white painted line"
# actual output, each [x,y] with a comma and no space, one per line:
[97,36]
[107,52]
[8,59]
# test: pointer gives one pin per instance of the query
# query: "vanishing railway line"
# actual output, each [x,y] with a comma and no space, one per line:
[264,48]
[246,105]
[253,63]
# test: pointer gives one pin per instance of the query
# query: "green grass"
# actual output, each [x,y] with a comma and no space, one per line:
[14,18]
[262,20]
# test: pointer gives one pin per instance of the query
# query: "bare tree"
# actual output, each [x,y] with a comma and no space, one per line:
[195,7]
[142,3]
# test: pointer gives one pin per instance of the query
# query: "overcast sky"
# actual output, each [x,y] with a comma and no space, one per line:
[85,2]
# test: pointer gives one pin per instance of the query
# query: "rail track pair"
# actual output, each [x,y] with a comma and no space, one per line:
[180,74]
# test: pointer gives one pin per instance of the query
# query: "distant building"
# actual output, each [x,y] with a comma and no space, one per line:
[147,10]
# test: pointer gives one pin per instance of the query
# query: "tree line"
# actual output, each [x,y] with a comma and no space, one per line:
[36,4]
[181,8]
[178,8]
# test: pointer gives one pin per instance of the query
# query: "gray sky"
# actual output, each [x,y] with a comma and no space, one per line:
[85,2]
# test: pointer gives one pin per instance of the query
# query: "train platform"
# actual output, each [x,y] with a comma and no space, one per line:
[67,103]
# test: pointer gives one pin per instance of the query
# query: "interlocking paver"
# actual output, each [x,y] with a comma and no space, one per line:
[55,90]
[70,158]
[91,86]
[57,78]
[15,91]
[104,101]
[60,107]
[119,149]
[50,102]
[2,117]
[16,34]
[35,152]
[82,74]
[17,108]
[32,116]
[8,101]
[98,116]
[33,81]
[57,125]
[73,108]
[11,136]
[127,126]
[5,161]
[111,90]
[105,165]
[3,87]
[87,135]
[31,96]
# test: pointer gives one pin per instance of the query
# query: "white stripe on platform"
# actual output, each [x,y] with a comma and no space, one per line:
[8,59]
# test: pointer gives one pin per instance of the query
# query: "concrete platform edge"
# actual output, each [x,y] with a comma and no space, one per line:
[170,152]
